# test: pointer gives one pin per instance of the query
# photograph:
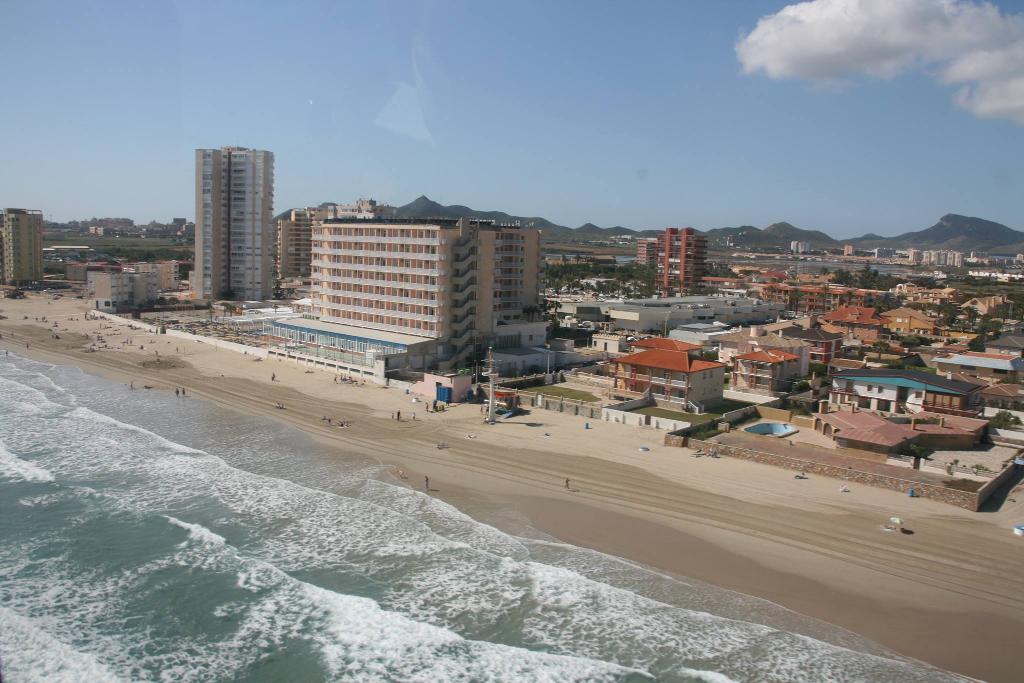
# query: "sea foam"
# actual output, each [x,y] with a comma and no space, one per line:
[13,467]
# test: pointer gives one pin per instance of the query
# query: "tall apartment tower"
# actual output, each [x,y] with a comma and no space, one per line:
[682,260]
[647,251]
[235,237]
[21,246]
[454,283]
[294,243]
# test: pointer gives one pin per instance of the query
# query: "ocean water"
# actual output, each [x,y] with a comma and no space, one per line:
[149,538]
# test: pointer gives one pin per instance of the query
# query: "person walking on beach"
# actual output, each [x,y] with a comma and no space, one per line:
[398,416]
[567,484]
[273,377]
[426,483]
[176,392]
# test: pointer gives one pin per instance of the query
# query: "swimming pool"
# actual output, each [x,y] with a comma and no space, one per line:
[772,429]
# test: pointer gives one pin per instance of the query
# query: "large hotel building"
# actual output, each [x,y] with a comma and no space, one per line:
[235,239]
[425,292]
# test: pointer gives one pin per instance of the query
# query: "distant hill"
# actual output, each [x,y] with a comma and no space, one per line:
[953,231]
[775,235]
[424,207]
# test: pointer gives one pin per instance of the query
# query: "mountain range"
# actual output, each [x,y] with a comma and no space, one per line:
[953,231]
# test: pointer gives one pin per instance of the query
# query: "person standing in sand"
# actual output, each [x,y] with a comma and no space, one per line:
[426,483]
[567,484]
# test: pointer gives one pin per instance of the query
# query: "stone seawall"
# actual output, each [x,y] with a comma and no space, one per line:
[969,500]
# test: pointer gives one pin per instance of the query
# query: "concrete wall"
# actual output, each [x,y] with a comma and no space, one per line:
[968,500]
[780,414]
[592,380]
[560,405]
[739,414]
[620,413]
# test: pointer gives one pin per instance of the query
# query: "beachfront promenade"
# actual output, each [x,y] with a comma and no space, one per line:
[740,524]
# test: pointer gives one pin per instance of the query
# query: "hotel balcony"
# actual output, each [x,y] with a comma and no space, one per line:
[383,312]
[377,253]
[374,283]
[329,318]
[366,239]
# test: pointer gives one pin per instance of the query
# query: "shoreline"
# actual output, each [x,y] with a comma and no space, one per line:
[740,526]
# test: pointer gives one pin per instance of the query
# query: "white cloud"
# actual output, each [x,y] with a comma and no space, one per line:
[966,43]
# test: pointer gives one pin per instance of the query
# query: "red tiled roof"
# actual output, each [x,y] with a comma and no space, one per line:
[669,360]
[884,436]
[1009,390]
[765,356]
[665,344]
[854,314]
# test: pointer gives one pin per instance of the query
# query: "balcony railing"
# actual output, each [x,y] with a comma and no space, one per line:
[379,253]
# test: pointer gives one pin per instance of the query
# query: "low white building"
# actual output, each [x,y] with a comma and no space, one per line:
[112,292]
[662,315]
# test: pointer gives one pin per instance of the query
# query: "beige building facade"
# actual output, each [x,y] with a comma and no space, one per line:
[294,243]
[21,246]
[167,277]
[460,284]
[235,240]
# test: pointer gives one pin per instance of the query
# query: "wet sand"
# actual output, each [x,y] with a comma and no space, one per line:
[951,594]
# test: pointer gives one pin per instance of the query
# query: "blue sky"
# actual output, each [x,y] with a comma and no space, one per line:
[639,114]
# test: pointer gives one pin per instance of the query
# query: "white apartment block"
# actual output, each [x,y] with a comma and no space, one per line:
[235,236]
[118,291]
[433,290]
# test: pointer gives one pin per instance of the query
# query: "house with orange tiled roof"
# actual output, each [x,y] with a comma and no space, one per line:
[857,322]
[681,379]
[765,371]
[904,321]
[664,344]
[994,305]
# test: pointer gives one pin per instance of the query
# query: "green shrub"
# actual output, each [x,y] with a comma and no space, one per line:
[1004,420]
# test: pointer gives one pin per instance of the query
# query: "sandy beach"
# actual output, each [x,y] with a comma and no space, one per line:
[950,594]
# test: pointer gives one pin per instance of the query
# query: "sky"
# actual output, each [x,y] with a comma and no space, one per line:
[848,116]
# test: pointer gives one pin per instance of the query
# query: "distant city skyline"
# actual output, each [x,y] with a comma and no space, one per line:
[705,114]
